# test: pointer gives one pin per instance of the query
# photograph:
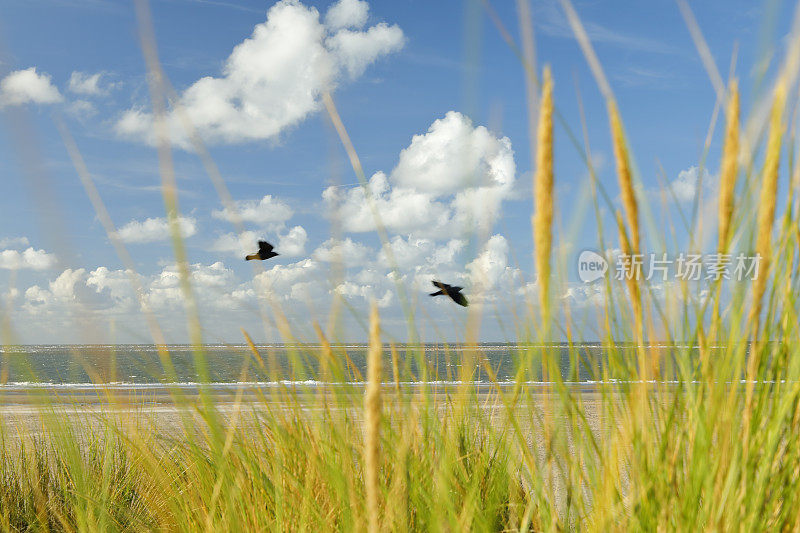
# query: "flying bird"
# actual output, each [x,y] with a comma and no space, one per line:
[264,252]
[453,292]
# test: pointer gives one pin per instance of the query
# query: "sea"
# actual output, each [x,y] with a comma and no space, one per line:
[140,366]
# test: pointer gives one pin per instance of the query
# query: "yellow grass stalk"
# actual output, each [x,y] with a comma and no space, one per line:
[729,171]
[633,286]
[624,176]
[630,239]
[543,220]
[730,168]
[543,194]
[766,204]
[766,217]
[372,420]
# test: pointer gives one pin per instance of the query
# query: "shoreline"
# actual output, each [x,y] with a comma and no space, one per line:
[49,394]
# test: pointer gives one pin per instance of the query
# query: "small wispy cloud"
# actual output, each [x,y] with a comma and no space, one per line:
[646,77]
[551,21]
[686,186]
[230,5]
[89,84]
[10,242]
[81,109]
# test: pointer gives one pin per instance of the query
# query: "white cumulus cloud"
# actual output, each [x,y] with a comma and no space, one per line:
[293,243]
[154,229]
[453,155]
[238,245]
[63,287]
[274,79]
[347,252]
[264,212]
[290,244]
[299,281]
[401,209]
[355,50]
[490,270]
[28,259]
[347,14]
[62,290]
[209,283]
[116,282]
[451,179]
[368,293]
[28,86]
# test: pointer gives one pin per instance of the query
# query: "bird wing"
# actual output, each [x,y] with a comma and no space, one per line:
[441,285]
[264,246]
[460,299]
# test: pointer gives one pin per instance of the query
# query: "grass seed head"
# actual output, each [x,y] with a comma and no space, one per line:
[543,192]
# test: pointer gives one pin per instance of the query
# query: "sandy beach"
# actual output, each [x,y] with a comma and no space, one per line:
[26,412]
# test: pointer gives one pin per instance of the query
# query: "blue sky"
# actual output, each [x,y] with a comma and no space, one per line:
[436,70]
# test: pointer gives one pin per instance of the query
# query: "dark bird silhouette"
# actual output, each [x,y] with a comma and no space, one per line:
[453,292]
[264,252]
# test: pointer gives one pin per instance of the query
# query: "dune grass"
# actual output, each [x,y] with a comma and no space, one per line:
[702,434]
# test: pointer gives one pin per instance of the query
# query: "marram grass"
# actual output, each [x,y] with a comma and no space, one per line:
[729,169]
[768,199]
[625,177]
[701,449]
[372,421]
[543,195]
